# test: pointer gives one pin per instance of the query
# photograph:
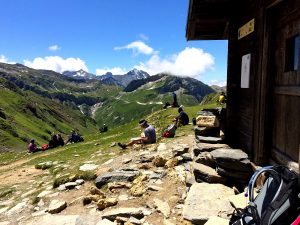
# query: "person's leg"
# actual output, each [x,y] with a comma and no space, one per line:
[132,142]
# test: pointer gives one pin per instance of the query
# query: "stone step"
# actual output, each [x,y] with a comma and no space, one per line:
[212,140]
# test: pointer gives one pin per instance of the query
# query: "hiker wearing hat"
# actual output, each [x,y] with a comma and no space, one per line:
[149,136]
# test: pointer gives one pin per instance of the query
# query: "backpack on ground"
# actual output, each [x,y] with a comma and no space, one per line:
[277,203]
[44,147]
[170,131]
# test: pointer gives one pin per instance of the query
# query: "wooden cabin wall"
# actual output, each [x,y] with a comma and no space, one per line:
[252,119]
[285,140]
[242,102]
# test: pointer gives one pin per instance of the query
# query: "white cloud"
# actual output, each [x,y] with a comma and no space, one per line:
[3,59]
[137,48]
[144,37]
[114,70]
[54,48]
[57,64]
[191,62]
[218,83]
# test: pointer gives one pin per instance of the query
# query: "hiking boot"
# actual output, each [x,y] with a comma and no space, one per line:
[123,146]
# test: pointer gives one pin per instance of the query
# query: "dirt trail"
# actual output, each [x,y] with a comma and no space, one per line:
[23,161]
[20,162]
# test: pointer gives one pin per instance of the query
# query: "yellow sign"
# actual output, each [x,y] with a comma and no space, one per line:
[246,29]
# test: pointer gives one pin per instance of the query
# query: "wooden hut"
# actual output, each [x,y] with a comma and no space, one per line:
[263,74]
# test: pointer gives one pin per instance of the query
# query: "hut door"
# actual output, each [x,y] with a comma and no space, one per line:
[285,70]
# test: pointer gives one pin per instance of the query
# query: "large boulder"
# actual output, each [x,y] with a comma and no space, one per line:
[206,200]
[118,175]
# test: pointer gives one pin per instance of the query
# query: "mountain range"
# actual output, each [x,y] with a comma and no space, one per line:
[36,103]
[108,78]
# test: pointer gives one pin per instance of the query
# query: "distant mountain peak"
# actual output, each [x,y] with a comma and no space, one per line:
[108,74]
[79,73]
[139,74]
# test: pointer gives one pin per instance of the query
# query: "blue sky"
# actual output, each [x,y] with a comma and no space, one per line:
[108,35]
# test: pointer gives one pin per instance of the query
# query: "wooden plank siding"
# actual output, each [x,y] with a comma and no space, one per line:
[241,102]
[251,112]
[264,119]
[286,91]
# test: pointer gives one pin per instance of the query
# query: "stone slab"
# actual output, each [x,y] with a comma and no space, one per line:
[206,200]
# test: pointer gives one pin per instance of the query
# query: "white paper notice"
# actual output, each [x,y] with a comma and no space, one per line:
[245,71]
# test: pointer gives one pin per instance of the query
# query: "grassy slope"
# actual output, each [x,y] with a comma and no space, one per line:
[96,148]
[137,104]
[27,116]
[101,142]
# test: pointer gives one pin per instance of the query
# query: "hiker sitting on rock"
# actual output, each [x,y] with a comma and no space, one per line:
[74,137]
[182,119]
[149,136]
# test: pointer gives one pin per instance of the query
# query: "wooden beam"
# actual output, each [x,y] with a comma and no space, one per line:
[290,90]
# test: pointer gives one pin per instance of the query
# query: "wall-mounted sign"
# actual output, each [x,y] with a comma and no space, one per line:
[245,71]
[246,29]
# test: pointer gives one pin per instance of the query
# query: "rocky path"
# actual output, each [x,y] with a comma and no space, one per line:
[157,184]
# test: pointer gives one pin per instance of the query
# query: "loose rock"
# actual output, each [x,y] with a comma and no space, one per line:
[56,206]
